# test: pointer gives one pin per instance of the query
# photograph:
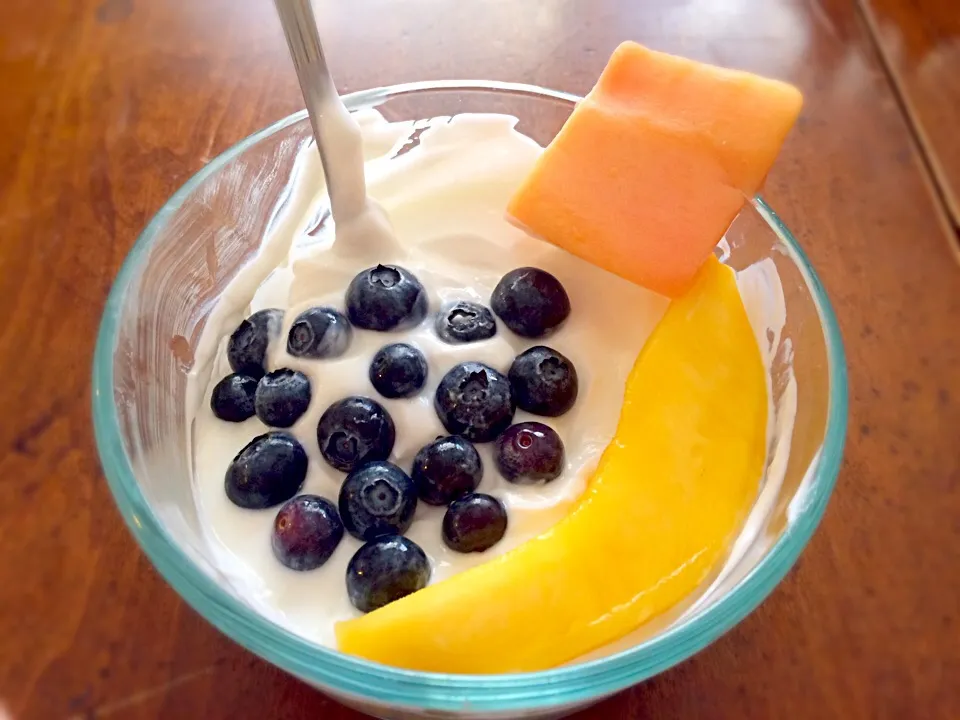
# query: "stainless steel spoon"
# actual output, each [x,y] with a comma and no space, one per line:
[338,138]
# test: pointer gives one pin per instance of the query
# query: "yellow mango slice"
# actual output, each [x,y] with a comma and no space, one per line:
[667,498]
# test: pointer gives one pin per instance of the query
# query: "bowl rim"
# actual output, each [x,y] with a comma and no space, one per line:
[368,681]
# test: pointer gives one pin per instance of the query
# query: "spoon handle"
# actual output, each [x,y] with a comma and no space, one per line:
[337,135]
[300,29]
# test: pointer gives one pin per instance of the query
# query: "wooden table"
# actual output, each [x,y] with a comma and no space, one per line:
[109,105]
[919,43]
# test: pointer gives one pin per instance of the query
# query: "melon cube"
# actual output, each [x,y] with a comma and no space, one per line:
[653,165]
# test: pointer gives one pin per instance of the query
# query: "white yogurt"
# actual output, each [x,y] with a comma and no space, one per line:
[445,199]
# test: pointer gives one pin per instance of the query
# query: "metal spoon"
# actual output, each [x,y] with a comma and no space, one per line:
[338,136]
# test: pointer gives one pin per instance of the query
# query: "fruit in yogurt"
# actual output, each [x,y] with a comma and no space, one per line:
[398,370]
[248,344]
[282,397]
[531,302]
[653,165]
[386,297]
[356,435]
[354,431]
[544,381]
[269,470]
[385,570]
[690,445]
[306,531]
[464,321]
[319,332]
[446,470]
[528,453]
[377,499]
[475,401]
[474,523]
[232,398]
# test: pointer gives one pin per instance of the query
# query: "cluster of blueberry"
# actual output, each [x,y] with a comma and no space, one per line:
[377,500]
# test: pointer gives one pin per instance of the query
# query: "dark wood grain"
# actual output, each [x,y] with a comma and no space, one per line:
[920,44]
[109,105]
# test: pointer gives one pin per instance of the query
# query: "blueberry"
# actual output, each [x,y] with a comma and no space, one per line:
[306,532]
[474,400]
[529,452]
[385,570]
[268,471]
[446,469]
[319,332]
[386,297]
[398,370]
[282,397]
[353,431]
[232,398]
[247,347]
[463,322]
[474,523]
[544,382]
[377,499]
[531,302]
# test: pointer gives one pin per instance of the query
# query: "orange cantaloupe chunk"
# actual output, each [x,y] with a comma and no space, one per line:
[653,165]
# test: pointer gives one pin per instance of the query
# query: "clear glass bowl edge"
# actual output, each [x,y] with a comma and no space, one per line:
[437,691]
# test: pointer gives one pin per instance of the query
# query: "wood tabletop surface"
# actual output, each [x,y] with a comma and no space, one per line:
[108,106]
[919,43]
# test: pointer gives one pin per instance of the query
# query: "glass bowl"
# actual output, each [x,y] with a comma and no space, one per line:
[213,225]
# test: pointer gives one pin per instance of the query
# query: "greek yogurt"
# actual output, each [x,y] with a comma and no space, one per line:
[442,185]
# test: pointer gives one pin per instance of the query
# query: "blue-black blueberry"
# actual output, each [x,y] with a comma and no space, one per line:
[544,381]
[386,297]
[319,332]
[446,469]
[474,523]
[531,302]
[269,470]
[282,397]
[475,401]
[376,499]
[398,370]
[528,453]
[232,397]
[306,531]
[248,344]
[385,570]
[464,321]
[353,431]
